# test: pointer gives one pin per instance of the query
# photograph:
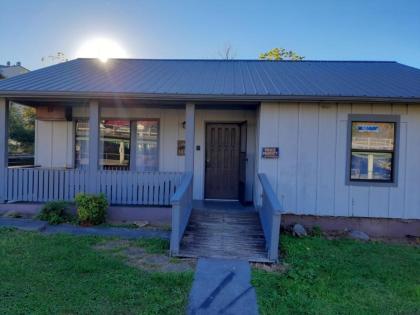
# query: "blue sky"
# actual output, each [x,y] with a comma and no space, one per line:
[345,30]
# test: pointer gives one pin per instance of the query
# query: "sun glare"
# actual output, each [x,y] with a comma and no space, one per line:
[101,48]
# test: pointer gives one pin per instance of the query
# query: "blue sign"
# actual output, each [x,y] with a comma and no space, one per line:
[368,128]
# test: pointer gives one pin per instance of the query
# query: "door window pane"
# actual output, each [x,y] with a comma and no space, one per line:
[147,157]
[82,144]
[115,144]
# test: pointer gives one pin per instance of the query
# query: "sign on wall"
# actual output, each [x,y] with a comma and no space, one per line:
[181,148]
[270,153]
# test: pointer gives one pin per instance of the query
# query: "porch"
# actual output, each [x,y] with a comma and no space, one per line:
[167,167]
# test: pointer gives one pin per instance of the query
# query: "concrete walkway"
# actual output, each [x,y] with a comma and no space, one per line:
[222,286]
[44,227]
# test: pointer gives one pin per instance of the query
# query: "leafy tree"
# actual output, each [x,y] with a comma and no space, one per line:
[21,129]
[280,54]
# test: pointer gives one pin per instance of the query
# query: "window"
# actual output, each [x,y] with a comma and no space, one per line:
[147,154]
[115,140]
[372,148]
[115,144]
[82,144]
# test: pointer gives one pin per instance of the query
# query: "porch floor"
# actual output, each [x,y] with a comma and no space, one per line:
[224,230]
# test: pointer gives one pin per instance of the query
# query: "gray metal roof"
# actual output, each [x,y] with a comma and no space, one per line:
[220,79]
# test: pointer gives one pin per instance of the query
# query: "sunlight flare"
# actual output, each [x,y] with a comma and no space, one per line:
[101,48]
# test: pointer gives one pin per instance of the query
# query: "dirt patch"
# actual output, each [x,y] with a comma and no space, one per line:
[278,268]
[16,215]
[138,257]
[112,245]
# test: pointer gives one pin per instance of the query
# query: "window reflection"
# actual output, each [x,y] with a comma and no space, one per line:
[114,147]
[147,155]
[82,144]
[115,144]
[372,150]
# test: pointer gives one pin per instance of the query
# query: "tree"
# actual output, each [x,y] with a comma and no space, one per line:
[21,129]
[280,54]
[227,52]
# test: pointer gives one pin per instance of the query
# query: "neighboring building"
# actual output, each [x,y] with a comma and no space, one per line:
[334,138]
[8,70]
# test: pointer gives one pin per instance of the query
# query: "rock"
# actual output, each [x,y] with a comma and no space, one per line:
[358,235]
[299,230]
[12,214]
[141,224]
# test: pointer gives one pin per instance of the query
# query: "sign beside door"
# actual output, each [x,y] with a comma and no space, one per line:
[270,153]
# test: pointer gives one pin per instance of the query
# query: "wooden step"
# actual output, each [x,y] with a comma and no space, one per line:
[224,234]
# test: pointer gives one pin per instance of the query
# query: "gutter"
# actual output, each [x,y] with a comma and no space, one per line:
[204,97]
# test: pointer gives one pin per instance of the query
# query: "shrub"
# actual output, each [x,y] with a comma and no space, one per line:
[91,209]
[54,212]
[316,231]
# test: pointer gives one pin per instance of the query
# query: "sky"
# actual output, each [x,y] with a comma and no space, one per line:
[194,29]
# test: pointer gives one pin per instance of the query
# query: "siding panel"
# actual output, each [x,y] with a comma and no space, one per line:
[326,156]
[287,167]
[307,158]
[311,170]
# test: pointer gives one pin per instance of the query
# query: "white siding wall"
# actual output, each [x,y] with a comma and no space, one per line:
[52,151]
[54,143]
[309,176]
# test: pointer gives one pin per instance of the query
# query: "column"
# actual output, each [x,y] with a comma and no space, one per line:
[189,137]
[4,126]
[133,145]
[94,116]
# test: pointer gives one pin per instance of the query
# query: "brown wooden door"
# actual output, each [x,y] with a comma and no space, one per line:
[222,161]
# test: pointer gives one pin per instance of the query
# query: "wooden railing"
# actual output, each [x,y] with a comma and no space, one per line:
[139,188]
[270,217]
[181,211]
[43,184]
[120,187]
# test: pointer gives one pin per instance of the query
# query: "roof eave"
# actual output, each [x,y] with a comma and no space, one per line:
[204,97]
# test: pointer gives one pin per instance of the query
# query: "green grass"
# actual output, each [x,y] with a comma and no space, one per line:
[62,274]
[341,277]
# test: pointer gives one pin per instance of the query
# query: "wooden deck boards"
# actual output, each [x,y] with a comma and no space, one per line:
[224,234]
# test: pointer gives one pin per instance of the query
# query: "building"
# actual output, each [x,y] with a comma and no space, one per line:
[331,139]
[8,70]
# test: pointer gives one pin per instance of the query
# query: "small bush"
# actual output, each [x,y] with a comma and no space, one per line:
[91,209]
[316,231]
[54,212]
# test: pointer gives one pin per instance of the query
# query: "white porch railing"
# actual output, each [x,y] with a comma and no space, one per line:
[120,187]
[139,188]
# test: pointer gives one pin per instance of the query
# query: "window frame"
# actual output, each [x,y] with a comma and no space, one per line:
[133,138]
[374,118]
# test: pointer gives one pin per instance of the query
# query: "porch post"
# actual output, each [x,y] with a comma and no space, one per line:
[4,126]
[133,145]
[189,137]
[94,116]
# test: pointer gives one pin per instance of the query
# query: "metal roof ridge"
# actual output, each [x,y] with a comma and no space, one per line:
[244,60]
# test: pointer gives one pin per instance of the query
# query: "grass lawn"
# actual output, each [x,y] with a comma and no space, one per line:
[341,277]
[63,274]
